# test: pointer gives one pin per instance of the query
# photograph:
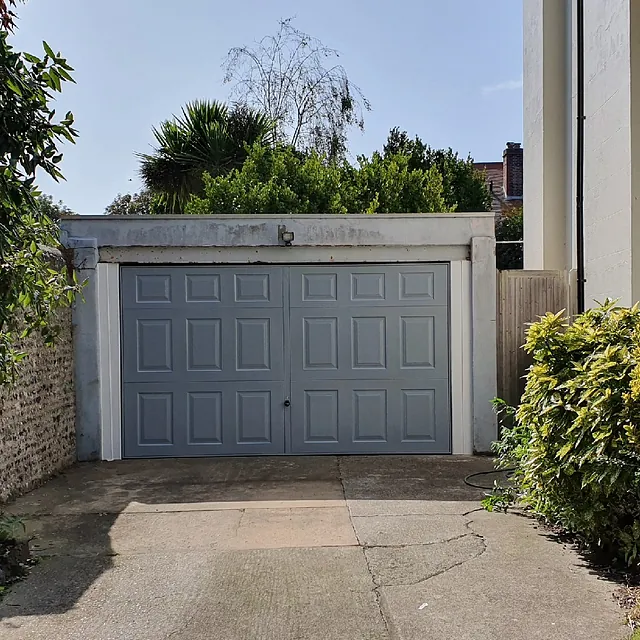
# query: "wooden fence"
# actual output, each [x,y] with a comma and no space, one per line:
[524,296]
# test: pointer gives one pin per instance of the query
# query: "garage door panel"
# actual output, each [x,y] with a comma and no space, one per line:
[150,413]
[191,287]
[252,287]
[253,345]
[372,343]
[221,344]
[382,285]
[421,343]
[149,288]
[155,345]
[318,338]
[369,342]
[366,351]
[151,346]
[320,419]
[205,421]
[425,417]
[204,344]
[202,287]
[200,420]
[371,416]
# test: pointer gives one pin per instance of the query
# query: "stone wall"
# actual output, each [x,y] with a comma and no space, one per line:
[37,415]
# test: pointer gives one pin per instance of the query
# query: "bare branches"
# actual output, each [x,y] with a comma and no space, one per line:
[297,82]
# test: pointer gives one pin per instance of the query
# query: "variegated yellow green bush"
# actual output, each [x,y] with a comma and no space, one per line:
[576,439]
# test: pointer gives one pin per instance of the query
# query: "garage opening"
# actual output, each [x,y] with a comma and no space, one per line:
[250,360]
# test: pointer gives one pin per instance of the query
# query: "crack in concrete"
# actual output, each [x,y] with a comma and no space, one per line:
[471,534]
[376,585]
[413,544]
[413,515]
[442,571]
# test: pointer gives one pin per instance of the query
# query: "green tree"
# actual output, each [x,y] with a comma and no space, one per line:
[464,187]
[510,228]
[207,136]
[298,83]
[30,291]
[282,181]
[47,207]
[137,204]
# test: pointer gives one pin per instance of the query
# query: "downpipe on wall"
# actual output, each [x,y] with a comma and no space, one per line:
[580,157]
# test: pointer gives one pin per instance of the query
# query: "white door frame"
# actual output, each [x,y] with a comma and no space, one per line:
[109,333]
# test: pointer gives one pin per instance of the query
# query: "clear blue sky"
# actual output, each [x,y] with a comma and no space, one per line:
[447,70]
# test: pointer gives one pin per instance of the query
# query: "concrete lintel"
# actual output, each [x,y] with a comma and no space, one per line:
[422,230]
[483,292]
[281,255]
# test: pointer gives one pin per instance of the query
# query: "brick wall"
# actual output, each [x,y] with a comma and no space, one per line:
[37,415]
[513,170]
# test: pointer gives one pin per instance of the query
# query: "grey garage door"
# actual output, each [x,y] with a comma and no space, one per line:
[268,360]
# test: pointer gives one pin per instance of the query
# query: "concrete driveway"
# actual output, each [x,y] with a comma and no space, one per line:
[294,548]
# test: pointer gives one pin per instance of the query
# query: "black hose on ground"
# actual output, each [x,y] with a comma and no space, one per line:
[507,472]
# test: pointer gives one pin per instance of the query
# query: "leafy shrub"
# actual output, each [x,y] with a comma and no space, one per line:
[464,188]
[283,181]
[575,442]
[11,527]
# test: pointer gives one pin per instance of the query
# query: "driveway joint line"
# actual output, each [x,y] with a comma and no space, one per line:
[376,586]
[237,531]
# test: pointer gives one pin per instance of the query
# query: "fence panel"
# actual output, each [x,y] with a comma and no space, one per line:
[524,296]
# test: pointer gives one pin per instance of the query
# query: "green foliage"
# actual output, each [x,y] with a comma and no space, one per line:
[500,499]
[47,207]
[11,527]
[282,181]
[510,226]
[464,187]
[138,204]
[30,291]
[206,137]
[576,440]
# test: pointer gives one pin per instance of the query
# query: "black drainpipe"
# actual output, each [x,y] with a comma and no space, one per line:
[580,156]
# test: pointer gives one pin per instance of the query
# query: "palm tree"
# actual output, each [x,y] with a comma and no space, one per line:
[207,136]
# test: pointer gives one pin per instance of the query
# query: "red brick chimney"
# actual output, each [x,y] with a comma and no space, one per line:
[512,167]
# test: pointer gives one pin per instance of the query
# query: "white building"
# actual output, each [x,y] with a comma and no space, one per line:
[582,124]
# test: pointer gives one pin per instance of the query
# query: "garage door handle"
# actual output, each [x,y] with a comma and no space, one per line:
[287,403]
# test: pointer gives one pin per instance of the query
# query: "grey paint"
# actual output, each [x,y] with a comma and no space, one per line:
[370,359]
[203,361]
[204,352]
[204,239]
